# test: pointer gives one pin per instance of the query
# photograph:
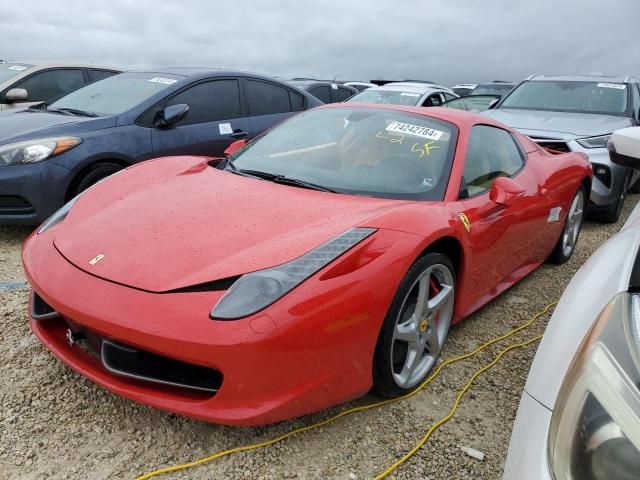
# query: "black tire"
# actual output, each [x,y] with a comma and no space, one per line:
[383,381]
[94,175]
[611,213]
[560,255]
[635,188]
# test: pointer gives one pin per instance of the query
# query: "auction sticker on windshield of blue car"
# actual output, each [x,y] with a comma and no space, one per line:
[416,130]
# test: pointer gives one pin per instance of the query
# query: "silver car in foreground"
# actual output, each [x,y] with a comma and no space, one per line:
[579,416]
[23,84]
[406,93]
[579,113]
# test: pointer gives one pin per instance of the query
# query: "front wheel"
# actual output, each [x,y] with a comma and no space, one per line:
[415,327]
[572,224]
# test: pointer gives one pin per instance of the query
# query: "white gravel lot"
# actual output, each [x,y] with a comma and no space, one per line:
[56,424]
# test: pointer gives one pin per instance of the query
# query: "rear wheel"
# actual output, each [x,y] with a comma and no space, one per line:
[415,327]
[611,213]
[635,188]
[573,223]
[94,175]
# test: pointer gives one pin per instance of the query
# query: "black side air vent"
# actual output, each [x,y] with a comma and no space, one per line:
[40,310]
[215,286]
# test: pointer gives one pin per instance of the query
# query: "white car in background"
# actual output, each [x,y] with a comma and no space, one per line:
[360,86]
[406,93]
[579,416]
[463,89]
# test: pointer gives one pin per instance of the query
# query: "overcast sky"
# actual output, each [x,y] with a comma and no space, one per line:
[447,41]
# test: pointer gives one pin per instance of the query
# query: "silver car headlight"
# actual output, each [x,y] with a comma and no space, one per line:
[594,142]
[595,426]
[254,291]
[32,151]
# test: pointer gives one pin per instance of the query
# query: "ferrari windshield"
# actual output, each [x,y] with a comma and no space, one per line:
[389,97]
[569,96]
[116,94]
[360,150]
[10,70]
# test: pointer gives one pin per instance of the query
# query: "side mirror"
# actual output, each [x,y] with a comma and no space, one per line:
[624,147]
[504,191]
[493,104]
[16,95]
[171,115]
[235,146]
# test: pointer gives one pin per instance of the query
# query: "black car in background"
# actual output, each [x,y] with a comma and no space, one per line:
[324,90]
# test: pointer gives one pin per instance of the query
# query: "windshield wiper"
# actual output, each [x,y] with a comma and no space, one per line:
[282,179]
[74,111]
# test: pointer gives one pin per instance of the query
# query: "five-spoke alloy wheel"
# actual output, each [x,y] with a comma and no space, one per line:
[416,326]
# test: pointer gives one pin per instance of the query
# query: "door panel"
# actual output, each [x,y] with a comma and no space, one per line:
[505,240]
[215,113]
[269,104]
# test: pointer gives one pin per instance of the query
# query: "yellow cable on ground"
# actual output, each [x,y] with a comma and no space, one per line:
[452,412]
[381,403]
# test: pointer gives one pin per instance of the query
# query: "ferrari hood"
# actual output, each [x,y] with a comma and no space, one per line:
[177,222]
[558,124]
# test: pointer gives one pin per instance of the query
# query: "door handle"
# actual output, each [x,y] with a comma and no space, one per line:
[238,134]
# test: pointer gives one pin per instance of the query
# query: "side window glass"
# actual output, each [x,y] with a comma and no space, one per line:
[322,93]
[100,74]
[297,101]
[52,84]
[267,98]
[341,94]
[209,101]
[433,100]
[491,153]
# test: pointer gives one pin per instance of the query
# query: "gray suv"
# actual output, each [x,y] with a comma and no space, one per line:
[579,113]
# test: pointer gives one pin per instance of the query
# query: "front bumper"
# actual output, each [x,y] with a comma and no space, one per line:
[31,193]
[527,458]
[603,195]
[310,350]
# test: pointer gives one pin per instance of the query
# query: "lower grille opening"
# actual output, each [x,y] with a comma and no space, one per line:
[128,361]
[14,204]
[41,309]
[189,381]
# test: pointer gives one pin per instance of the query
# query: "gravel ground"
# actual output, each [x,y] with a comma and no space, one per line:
[56,424]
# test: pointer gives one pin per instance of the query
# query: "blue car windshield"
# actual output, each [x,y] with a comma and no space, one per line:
[117,94]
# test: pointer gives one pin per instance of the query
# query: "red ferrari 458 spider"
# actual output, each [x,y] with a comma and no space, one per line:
[325,258]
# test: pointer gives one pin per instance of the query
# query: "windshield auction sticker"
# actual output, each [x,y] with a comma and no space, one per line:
[617,86]
[408,94]
[166,81]
[416,130]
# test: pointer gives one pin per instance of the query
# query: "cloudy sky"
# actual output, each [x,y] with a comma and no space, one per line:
[447,41]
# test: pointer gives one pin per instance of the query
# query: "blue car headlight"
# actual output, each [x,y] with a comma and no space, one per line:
[254,291]
[32,151]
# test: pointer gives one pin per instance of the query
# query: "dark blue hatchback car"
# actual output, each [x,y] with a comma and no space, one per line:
[50,153]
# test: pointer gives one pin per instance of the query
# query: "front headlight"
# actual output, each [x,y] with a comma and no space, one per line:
[254,291]
[595,426]
[32,151]
[595,142]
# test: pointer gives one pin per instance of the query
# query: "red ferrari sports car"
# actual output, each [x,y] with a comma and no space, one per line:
[328,257]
